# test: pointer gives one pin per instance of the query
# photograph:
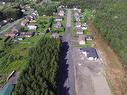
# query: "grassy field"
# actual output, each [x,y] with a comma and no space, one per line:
[43,23]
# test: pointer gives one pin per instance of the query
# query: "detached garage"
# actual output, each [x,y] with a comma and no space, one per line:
[90,53]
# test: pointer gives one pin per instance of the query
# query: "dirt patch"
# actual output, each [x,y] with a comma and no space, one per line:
[115,73]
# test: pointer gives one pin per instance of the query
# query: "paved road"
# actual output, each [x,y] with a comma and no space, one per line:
[67,86]
[9,26]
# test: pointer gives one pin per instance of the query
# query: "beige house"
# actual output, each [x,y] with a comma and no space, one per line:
[79,31]
[81,39]
[61,13]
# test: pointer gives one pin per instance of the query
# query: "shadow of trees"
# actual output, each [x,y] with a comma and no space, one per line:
[63,70]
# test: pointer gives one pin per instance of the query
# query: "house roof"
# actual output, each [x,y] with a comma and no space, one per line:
[88,37]
[13,32]
[58,24]
[17,27]
[27,33]
[60,17]
[78,23]
[81,37]
[91,52]
[79,29]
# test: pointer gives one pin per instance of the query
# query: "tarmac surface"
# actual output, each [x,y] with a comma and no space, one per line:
[67,79]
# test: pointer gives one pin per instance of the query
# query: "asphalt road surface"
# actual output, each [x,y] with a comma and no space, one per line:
[9,26]
[67,79]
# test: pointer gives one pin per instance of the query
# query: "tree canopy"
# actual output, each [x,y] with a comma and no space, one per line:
[40,75]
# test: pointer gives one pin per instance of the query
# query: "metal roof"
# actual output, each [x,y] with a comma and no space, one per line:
[91,52]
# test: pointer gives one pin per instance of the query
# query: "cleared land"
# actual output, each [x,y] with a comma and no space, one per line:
[115,73]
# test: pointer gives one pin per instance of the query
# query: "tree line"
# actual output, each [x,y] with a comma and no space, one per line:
[40,75]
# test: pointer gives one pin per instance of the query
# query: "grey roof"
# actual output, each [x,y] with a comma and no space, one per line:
[91,52]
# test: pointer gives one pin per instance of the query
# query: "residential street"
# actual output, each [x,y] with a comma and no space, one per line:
[67,83]
[9,26]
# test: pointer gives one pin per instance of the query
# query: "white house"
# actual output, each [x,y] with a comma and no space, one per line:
[84,26]
[32,27]
[59,19]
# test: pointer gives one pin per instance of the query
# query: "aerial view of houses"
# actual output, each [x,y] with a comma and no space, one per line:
[63,47]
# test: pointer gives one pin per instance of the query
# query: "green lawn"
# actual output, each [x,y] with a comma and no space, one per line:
[86,32]
[19,51]
[43,23]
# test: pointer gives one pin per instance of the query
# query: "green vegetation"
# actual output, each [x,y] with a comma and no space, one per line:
[40,76]
[7,11]
[47,9]
[88,15]
[43,23]
[86,32]
[111,21]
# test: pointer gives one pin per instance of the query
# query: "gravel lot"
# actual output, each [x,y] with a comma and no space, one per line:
[89,76]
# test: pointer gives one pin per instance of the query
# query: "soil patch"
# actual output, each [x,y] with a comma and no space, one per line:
[115,73]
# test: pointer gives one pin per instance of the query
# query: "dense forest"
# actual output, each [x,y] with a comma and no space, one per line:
[111,21]
[46,9]
[40,76]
